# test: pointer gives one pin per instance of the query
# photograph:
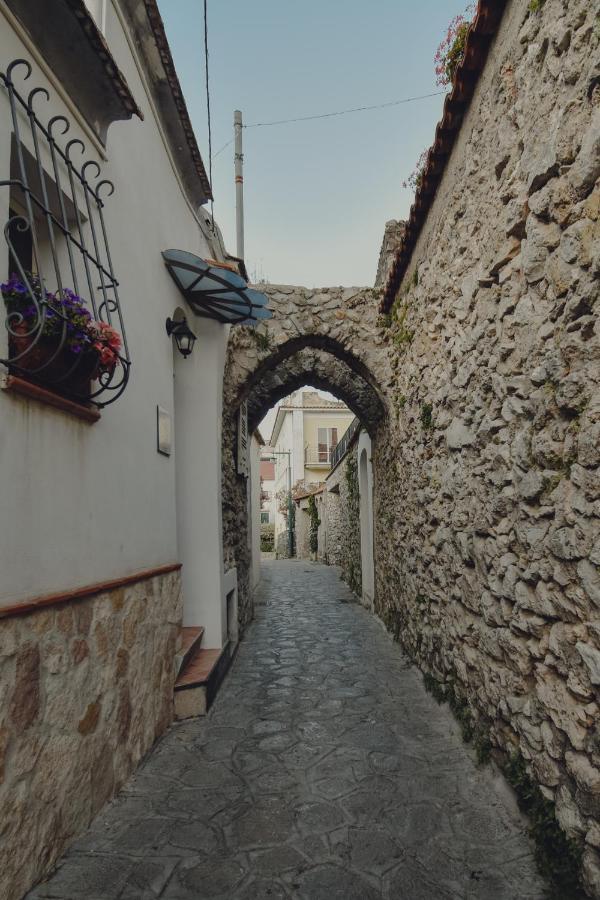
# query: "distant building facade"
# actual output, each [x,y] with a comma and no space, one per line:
[306,431]
[267,487]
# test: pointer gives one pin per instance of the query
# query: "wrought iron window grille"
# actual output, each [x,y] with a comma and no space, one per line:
[54,337]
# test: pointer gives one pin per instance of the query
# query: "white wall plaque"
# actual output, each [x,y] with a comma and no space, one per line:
[164,438]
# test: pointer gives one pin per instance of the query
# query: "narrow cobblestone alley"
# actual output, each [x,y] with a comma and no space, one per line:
[324,770]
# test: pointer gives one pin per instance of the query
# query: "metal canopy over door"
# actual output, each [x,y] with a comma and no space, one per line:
[215,292]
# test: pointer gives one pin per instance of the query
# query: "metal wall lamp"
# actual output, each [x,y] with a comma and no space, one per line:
[184,336]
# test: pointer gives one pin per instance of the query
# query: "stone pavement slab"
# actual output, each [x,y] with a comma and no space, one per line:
[324,771]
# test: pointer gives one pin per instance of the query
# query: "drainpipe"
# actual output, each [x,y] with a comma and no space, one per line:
[239,183]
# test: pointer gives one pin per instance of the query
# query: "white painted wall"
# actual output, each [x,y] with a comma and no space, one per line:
[88,503]
[284,443]
[365,489]
[198,408]
[297,444]
[269,487]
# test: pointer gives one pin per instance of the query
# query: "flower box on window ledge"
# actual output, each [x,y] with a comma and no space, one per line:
[66,344]
[54,341]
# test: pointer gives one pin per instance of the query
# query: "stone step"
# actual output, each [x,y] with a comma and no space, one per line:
[200,679]
[190,638]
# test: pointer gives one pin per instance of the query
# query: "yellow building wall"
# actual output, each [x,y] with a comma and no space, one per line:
[314,420]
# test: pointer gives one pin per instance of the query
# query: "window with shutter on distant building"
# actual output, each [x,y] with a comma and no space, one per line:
[327,441]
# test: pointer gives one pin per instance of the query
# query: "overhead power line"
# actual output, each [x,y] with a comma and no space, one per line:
[343,112]
[329,115]
[224,147]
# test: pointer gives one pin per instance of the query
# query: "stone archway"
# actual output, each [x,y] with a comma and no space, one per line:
[326,338]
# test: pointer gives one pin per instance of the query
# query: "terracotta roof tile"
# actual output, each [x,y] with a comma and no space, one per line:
[158,30]
[98,43]
[479,37]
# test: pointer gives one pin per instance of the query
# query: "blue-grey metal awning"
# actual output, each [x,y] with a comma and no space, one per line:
[215,292]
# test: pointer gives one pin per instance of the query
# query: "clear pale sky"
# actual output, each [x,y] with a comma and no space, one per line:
[317,194]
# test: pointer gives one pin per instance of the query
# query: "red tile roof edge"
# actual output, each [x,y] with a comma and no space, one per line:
[97,41]
[162,44]
[483,28]
[317,490]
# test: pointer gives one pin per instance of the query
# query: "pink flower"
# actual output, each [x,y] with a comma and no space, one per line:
[106,341]
[450,52]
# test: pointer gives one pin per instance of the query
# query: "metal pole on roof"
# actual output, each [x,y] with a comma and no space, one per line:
[239,183]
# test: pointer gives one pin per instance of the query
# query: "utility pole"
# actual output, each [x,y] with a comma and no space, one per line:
[239,183]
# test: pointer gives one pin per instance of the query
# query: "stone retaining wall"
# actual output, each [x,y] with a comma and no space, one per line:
[487,485]
[486,461]
[85,690]
[302,530]
[334,525]
[343,520]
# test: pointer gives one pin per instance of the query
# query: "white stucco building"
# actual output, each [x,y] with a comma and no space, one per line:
[268,504]
[305,433]
[112,528]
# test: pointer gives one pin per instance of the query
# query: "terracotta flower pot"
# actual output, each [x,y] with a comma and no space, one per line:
[60,370]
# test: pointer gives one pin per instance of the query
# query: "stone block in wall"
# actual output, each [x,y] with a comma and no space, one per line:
[487,521]
[86,688]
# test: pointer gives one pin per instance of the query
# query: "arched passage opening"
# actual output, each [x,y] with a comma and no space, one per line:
[256,382]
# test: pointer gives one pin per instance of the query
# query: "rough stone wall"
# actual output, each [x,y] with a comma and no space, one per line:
[322,529]
[349,500]
[487,487]
[85,690]
[333,516]
[282,548]
[325,337]
[302,529]
[487,464]
[342,515]
[392,236]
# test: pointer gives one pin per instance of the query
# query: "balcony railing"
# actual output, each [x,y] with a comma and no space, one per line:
[346,439]
[318,456]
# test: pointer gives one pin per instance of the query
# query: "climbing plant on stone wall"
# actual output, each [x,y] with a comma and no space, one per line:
[313,534]
[351,567]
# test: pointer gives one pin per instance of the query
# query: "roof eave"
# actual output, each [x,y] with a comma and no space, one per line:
[91,75]
[151,40]
[481,32]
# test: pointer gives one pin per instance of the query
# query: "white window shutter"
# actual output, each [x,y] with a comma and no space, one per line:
[243,449]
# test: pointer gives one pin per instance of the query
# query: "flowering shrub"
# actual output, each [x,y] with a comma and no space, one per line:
[450,53]
[64,311]
[416,176]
